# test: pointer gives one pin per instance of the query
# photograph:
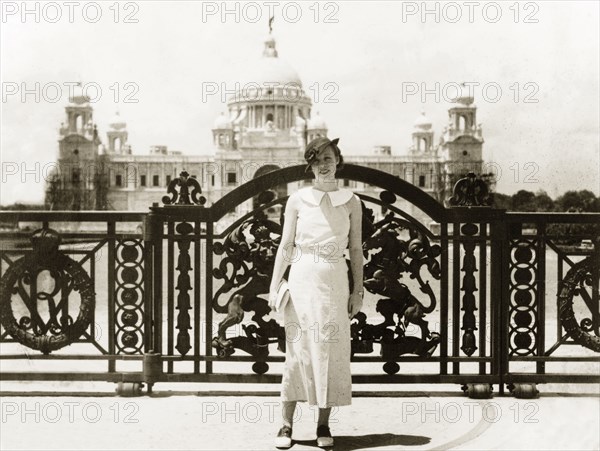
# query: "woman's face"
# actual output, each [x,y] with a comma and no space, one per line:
[324,166]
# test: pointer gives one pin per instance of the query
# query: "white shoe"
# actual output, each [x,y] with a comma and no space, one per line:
[284,437]
[324,438]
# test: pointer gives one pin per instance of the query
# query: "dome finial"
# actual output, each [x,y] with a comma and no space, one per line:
[465,95]
[270,50]
[117,122]
[221,122]
[422,122]
[317,122]
[77,95]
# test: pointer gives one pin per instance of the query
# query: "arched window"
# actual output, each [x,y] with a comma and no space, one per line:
[78,123]
[131,174]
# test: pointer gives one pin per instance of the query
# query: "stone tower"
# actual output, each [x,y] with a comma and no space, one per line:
[73,182]
[461,143]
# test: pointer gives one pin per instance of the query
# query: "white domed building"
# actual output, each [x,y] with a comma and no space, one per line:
[268,111]
[268,121]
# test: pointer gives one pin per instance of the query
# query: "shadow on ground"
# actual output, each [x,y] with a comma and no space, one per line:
[355,442]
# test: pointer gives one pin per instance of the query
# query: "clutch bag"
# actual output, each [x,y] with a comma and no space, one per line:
[283,295]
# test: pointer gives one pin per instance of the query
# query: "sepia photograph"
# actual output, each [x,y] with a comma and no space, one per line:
[261,225]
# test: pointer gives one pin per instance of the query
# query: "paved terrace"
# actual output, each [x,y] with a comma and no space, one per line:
[506,308]
[202,417]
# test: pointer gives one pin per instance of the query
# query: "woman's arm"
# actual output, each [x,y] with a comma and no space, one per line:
[356,257]
[285,251]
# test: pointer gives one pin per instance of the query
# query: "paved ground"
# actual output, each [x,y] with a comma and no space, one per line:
[190,417]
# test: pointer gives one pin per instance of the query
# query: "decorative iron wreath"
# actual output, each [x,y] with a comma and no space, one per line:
[580,273]
[69,332]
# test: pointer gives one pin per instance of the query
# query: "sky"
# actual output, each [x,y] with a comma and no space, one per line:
[370,68]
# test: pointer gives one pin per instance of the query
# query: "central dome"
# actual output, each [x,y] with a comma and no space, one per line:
[270,70]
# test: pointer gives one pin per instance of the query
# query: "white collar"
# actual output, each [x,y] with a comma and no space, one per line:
[313,195]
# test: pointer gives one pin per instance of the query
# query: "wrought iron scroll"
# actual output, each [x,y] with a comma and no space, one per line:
[129,307]
[246,269]
[390,255]
[522,302]
[65,277]
[247,264]
[470,191]
[184,191]
[469,286]
[188,188]
[185,229]
[577,279]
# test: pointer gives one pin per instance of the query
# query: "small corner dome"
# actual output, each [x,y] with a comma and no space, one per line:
[78,97]
[222,122]
[317,122]
[117,122]
[464,96]
[422,122]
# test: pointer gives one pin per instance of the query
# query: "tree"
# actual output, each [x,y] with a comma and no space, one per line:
[578,201]
[502,201]
[543,202]
[523,200]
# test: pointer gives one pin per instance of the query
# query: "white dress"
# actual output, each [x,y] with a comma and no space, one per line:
[317,366]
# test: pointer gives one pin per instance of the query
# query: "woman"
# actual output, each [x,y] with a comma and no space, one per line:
[320,223]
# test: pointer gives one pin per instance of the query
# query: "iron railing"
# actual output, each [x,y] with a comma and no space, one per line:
[179,293]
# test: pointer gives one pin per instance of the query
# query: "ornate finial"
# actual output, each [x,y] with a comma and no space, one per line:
[270,50]
[470,191]
[184,182]
[464,95]
[45,242]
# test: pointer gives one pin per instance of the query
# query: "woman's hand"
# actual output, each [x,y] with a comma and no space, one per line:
[272,297]
[355,303]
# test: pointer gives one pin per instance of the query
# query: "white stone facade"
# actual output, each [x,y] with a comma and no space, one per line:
[262,130]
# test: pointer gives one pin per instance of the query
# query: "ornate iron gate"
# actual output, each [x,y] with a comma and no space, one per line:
[464,302]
